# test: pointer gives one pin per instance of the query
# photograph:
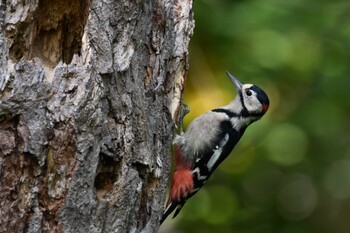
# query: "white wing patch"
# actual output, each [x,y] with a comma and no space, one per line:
[217,152]
[199,174]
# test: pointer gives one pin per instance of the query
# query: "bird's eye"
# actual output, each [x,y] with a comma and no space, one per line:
[248,92]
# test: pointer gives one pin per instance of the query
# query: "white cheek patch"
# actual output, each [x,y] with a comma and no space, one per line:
[251,103]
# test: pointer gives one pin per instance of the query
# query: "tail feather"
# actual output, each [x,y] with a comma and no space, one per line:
[182,185]
[168,210]
[179,207]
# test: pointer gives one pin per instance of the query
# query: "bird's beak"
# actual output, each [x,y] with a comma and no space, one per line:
[235,81]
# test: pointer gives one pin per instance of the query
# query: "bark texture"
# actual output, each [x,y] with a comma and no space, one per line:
[89,91]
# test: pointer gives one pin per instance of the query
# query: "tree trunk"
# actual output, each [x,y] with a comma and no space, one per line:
[89,91]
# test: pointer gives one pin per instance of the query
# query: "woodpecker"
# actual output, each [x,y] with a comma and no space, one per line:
[209,139]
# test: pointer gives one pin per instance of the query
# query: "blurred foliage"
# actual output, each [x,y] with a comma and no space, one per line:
[290,173]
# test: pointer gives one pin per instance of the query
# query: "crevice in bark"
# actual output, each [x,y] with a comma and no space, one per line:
[57,172]
[107,174]
[54,34]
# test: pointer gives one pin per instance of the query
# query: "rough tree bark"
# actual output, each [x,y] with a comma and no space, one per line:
[89,90]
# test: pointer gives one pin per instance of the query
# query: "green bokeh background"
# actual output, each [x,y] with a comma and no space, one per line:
[290,173]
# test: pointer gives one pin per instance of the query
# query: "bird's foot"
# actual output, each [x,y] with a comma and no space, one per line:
[185,109]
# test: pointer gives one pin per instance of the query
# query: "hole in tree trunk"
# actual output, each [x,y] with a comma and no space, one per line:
[54,31]
[107,174]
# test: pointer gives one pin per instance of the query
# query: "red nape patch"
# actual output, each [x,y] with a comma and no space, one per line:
[182,183]
[265,107]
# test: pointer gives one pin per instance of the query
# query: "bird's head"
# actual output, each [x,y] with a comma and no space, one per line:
[254,101]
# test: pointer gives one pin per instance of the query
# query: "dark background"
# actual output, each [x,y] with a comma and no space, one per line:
[290,173]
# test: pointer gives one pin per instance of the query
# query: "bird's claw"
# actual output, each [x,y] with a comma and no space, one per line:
[185,109]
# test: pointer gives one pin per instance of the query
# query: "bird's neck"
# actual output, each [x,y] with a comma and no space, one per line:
[235,106]
[240,116]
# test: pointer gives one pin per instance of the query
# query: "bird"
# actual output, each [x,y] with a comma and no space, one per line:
[209,139]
